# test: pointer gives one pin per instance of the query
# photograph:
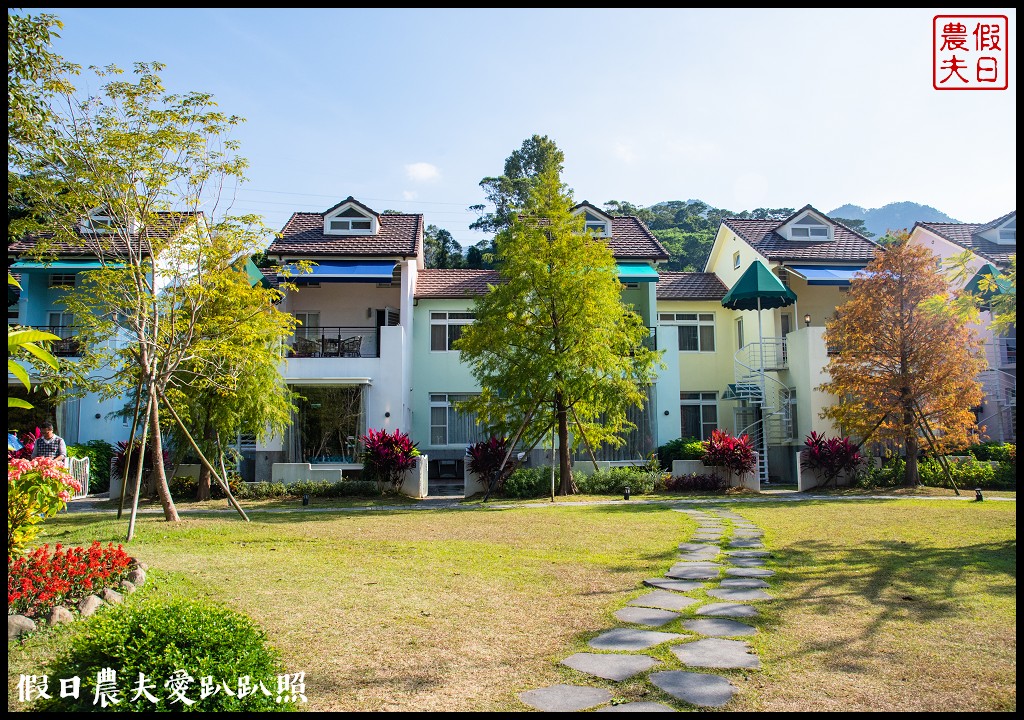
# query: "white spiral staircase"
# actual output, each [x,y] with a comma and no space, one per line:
[765,415]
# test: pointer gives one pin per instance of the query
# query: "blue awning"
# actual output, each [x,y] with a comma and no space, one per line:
[636,272]
[825,274]
[376,271]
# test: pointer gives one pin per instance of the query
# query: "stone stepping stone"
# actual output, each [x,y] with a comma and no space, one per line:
[637,707]
[739,594]
[717,653]
[748,553]
[719,627]
[703,556]
[749,572]
[746,543]
[611,667]
[677,585]
[728,610]
[747,562]
[645,616]
[695,688]
[748,534]
[694,571]
[698,547]
[565,698]
[663,599]
[708,535]
[743,583]
[630,639]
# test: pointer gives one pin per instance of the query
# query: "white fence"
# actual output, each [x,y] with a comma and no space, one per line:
[79,468]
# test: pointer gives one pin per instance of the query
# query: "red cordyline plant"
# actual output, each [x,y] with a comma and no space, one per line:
[387,456]
[830,457]
[735,454]
[486,456]
[41,580]
[28,442]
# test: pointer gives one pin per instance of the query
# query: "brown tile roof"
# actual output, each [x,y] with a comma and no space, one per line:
[165,225]
[967,236]
[690,286]
[303,235]
[631,239]
[847,245]
[437,283]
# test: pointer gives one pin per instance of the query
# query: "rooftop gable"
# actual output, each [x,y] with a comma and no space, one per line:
[310,235]
[993,241]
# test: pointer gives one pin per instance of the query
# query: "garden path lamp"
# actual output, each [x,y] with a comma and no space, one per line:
[807,319]
[625,493]
[977,494]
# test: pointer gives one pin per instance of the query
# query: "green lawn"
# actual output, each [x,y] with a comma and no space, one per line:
[880,605]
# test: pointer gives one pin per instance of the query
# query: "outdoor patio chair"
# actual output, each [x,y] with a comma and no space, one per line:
[350,347]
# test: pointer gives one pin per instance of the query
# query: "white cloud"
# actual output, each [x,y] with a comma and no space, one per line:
[422,172]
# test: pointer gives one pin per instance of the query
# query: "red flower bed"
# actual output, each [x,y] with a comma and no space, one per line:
[41,580]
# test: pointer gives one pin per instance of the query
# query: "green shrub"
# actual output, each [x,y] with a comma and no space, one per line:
[99,453]
[690,448]
[968,474]
[614,481]
[204,640]
[890,474]
[528,483]
[327,489]
[262,491]
[993,451]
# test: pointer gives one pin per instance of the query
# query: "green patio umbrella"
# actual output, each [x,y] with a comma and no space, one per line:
[1002,285]
[758,289]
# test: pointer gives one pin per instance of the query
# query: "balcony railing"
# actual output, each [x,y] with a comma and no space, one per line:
[1002,352]
[67,346]
[335,342]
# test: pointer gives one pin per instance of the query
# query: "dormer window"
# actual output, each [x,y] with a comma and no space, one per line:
[350,218]
[595,221]
[596,225]
[99,221]
[1008,233]
[808,228]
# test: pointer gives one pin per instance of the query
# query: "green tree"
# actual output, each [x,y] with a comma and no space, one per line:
[552,343]
[440,249]
[511,192]
[904,367]
[126,176]
[26,346]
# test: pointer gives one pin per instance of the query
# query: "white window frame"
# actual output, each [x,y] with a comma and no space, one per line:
[701,399]
[344,217]
[61,280]
[444,401]
[736,260]
[1007,234]
[696,320]
[808,228]
[443,318]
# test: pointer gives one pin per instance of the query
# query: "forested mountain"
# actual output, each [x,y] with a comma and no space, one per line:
[687,228]
[895,216]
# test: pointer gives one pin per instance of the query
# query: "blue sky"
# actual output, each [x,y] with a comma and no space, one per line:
[408,109]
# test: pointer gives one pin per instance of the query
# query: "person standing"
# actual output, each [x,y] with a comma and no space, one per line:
[50,445]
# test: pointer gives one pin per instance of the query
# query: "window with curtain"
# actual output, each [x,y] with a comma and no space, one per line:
[448,426]
[698,413]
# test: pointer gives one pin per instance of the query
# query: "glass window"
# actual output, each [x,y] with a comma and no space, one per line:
[698,413]
[62,281]
[446,328]
[696,330]
[448,426]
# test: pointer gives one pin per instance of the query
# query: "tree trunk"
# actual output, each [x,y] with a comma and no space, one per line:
[566,486]
[913,476]
[203,493]
[159,475]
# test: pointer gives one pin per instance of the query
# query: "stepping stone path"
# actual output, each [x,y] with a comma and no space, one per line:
[726,557]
